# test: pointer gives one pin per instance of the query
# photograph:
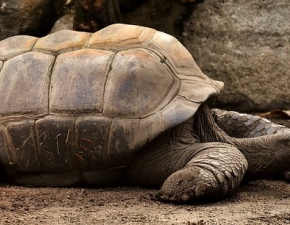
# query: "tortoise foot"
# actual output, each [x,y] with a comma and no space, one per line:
[186,185]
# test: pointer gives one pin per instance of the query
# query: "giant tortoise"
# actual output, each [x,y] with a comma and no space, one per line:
[125,104]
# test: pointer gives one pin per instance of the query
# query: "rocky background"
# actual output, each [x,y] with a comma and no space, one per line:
[32,17]
[244,43]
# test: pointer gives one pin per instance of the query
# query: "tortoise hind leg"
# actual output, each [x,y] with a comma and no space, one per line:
[241,125]
[274,142]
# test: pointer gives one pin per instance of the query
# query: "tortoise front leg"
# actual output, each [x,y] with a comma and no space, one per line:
[213,173]
[189,172]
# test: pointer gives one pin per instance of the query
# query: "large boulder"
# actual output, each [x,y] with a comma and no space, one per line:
[162,15]
[244,43]
[31,17]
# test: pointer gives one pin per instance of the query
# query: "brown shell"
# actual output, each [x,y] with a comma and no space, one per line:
[79,101]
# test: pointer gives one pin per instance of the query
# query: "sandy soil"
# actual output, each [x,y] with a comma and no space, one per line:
[256,202]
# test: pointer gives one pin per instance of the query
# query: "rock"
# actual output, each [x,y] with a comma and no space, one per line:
[64,10]
[246,44]
[31,17]
[162,15]
[63,23]
[63,7]
[91,16]
[129,5]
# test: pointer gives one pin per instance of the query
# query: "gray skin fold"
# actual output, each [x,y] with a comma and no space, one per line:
[198,160]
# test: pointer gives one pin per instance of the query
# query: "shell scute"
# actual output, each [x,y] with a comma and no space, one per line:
[138,85]
[16,45]
[177,112]
[4,153]
[92,134]
[131,37]
[175,54]
[78,81]
[22,146]
[122,141]
[202,89]
[30,72]
[62,41]
[55,140]
[150,127]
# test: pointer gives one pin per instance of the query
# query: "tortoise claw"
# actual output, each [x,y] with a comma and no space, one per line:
[181,186]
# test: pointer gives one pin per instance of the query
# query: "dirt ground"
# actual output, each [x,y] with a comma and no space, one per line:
[256,202]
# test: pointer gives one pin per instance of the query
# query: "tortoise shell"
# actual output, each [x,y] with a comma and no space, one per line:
[75,101]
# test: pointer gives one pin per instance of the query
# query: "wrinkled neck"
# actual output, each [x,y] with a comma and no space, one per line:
[183,133]
[206,129]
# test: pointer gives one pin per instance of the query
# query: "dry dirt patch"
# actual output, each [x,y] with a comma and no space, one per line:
[256,202]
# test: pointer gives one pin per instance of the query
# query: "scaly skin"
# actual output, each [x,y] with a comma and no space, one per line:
[202,162]
[213,173]
[187,170]
[267,155]
[241,125]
